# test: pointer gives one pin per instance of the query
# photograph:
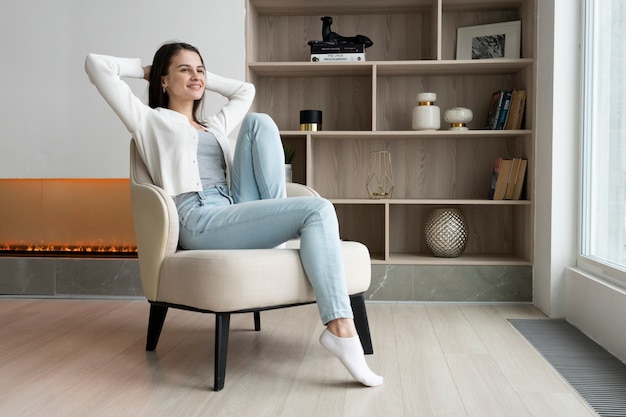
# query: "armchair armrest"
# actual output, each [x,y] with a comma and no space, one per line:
[298,190]
[156,224]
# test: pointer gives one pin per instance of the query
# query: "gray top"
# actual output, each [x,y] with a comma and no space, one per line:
[211,164]
[211,161]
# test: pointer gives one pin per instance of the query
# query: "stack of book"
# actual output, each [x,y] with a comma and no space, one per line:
[337,53]
[507,181]
[506,110]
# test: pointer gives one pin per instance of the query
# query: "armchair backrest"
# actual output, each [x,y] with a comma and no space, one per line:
[156,223]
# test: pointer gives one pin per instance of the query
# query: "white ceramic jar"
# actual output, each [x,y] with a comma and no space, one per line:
[458,117]
[426,115]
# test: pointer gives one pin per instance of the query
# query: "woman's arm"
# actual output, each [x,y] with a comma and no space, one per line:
[105,73]
[146,72]
[240,95]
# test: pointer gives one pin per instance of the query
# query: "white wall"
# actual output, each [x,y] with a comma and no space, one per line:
[597,308]
[557,150]
[53,123]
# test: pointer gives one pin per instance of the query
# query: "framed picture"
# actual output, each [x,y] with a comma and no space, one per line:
[496,40]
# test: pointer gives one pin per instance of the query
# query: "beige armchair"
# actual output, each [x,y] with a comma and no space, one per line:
[224,282]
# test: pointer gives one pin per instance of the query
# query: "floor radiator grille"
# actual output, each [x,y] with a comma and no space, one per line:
[598,376]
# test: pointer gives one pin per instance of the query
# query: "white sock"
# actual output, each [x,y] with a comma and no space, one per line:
[350,353]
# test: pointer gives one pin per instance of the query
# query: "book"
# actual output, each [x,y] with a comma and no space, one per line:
[503,179]
[516,111]
[337,57]
[515,103]
[494,177]
[519,114]
[519,180]
[503,114]
[337,53]
[512,178]
[494,109]
[337,49]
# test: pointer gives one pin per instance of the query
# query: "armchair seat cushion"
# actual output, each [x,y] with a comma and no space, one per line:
[235,280]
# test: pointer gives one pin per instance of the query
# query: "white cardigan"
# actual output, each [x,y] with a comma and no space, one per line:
[166,141]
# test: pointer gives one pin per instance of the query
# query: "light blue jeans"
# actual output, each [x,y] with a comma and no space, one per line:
[256,215]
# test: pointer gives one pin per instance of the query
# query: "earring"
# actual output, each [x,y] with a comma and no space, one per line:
[164,90]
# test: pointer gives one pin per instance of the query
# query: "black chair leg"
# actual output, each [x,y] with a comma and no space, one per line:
[222,325]
[155,325]
[360,320]
[257,321]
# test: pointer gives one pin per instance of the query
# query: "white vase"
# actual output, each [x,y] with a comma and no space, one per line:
[458,117]
[426,115]
[288,173]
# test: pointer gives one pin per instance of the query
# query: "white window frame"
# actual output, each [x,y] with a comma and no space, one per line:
[610,271]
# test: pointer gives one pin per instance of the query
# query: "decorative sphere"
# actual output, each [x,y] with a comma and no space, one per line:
[446,232]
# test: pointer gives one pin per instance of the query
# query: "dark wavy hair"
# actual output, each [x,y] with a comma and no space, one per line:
[160,67]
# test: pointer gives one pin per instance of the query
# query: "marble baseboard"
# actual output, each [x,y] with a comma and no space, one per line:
[445,283]
[62,277]
[74,277]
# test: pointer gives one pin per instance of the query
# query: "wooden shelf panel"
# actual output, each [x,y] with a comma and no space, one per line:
[411,134]
[330,7]
[465,6]
[452,67]
[307,7]
[465,259]
[435,201]
[390,68]
[310,69]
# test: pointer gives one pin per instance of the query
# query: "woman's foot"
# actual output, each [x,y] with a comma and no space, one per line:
[350,352]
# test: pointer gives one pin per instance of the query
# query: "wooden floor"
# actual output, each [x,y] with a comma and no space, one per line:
[87,358]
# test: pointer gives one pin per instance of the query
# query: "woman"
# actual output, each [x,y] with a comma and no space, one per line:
[226,202]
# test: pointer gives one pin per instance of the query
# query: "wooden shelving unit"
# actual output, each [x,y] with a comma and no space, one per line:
[367,107]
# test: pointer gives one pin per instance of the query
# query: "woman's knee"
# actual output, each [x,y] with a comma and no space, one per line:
[324,208]
[259,120]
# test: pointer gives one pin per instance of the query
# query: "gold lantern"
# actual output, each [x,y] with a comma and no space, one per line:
[380,182]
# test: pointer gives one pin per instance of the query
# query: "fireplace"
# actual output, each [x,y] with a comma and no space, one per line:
[67,237]
[66,217]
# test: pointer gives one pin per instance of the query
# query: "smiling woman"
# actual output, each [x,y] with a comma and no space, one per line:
[177,80]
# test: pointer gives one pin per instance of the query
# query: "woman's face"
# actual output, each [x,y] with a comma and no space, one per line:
[185,78]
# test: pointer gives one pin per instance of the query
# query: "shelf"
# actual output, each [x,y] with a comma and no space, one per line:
[331,7]
[310,69]
[465,259]
[452,67]
[368,107]
[390,68]
[364,7]
[411,134]
[432,201]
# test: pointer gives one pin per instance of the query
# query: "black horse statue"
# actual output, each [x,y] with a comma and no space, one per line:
[333,38]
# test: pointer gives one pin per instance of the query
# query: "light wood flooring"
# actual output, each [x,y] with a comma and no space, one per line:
[87,358]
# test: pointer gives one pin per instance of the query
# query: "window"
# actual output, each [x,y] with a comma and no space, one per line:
[603,211]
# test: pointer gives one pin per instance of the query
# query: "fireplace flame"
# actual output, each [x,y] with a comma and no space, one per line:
[69,250]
